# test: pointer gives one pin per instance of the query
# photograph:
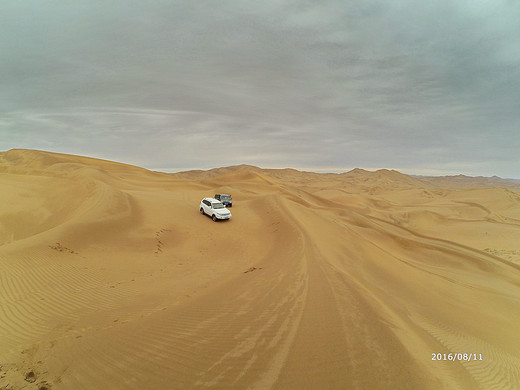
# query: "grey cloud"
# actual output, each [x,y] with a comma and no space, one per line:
[334,83]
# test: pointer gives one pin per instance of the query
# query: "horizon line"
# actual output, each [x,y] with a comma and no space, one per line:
[421,172]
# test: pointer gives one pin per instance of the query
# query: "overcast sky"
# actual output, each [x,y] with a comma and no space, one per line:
[423,87]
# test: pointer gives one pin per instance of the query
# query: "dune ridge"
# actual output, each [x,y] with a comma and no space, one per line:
[110,278]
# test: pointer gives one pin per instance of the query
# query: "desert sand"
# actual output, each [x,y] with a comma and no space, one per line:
[111,279]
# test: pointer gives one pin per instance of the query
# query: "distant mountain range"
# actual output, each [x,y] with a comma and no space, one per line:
[15,160]
[470,181]
[362,176]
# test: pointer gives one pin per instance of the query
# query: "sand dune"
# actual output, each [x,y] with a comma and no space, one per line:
[111,279]
[462,181]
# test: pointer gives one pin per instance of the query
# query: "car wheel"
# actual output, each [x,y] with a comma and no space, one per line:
[202,211]
[214,218]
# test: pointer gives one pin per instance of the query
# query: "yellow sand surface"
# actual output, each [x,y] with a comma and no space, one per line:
[110,278]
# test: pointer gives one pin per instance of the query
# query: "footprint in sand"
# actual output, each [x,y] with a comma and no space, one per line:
[30,377]
[60,248]
[159,244]
[252,269]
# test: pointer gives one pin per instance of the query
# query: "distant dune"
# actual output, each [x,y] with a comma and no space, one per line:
[111,279]
[462,181]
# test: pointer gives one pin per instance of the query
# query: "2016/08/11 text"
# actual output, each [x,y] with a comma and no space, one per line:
[457,356]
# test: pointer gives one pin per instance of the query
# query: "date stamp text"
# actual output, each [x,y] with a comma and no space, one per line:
[453,357]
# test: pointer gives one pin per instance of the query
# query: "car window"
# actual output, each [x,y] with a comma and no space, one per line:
[225,197]
[217,205]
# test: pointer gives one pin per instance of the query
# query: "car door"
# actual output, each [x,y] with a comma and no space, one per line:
[205,206]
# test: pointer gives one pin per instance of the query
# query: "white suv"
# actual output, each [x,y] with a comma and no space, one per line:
[214,208]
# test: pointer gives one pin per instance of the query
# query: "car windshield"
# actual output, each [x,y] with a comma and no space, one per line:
[225,197]
[217,205]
